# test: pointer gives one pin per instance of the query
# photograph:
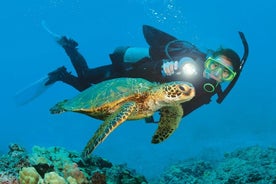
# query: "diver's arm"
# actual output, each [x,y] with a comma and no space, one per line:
[147,69]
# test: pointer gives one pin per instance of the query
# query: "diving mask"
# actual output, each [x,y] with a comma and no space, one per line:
[219,68]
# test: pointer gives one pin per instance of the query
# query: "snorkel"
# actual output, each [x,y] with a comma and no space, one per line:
[223,94]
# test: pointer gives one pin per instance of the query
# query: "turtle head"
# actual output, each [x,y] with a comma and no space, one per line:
[177,91]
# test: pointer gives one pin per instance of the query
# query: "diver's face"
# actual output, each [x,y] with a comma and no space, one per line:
[219,69]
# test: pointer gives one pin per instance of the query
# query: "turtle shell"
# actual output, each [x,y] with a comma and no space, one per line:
[108,93]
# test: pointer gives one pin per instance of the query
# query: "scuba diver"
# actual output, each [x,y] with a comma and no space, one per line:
[167,59]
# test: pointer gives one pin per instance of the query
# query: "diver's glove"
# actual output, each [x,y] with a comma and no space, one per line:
[170,68]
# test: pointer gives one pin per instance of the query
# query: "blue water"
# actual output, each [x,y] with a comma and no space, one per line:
[28,52]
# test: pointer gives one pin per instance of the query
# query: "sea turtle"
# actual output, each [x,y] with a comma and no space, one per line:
[121,99]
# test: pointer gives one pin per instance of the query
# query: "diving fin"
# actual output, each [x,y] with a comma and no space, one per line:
[54,35]
[32,91]
[155,37]
[157,41]
[38,87]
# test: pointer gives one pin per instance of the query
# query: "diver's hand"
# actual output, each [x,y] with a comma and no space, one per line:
[174,67]
[169,68]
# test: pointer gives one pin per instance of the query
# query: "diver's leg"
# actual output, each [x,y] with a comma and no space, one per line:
[78,61]
[102,73]
[61,74]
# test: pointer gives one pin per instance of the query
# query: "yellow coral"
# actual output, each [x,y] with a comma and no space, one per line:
[71,180]
[53,178]
[28,175]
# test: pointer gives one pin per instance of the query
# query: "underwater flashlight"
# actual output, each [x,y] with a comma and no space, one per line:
[189,69]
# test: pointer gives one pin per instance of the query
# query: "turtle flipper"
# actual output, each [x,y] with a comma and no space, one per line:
[112,122]
[169,121]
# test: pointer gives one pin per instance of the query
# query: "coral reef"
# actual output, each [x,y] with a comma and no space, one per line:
[11,163]
[254,165]
[56,165]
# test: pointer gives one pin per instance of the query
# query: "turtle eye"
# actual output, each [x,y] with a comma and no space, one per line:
[182,88]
